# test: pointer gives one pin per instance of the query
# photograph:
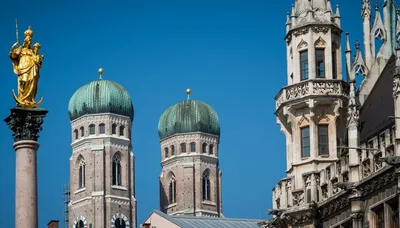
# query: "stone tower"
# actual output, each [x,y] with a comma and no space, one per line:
[102,164]
[190,180]
[311,109]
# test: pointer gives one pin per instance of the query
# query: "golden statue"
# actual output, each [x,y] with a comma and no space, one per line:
[26,63]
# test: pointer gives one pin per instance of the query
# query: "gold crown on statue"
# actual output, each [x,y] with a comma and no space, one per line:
[36,45]
[28,32]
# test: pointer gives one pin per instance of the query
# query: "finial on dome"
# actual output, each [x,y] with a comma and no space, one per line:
[101,71]
[188,92]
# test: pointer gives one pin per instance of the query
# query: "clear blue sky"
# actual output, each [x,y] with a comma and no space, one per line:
[230,53]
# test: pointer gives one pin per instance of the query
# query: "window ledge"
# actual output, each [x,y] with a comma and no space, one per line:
[207,202]
[119,187]
[324,156]
[79,190]
[171,205]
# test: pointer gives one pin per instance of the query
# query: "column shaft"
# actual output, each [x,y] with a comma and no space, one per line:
[26,203]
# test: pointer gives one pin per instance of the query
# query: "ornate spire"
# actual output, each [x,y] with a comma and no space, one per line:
[366,9]
[337,14]
[328,6]
[359,65]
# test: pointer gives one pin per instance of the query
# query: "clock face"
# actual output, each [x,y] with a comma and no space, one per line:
[119,221]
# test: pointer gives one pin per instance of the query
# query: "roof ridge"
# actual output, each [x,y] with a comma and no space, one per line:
[214,218]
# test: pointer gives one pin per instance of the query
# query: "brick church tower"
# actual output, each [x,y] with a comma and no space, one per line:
[190,180]
[102,176]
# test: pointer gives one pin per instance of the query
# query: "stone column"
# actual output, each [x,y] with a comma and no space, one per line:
[26,125]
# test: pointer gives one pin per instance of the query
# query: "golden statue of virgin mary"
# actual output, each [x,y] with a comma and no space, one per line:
[26,63]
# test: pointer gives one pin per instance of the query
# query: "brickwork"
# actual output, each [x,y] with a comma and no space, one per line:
[99,202]
[188,168]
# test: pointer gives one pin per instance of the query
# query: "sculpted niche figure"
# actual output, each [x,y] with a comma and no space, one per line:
[26,63]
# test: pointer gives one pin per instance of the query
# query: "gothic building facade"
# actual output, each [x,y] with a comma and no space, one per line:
[190,180]
[340,124]
[102,176]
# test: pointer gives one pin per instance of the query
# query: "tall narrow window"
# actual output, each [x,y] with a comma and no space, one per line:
[204,148]
[172,150]
[380,218]
[82,132]
[305,142]
[92,129]
[211,149]
[323,145]
[320,62]
[304,65]
[116,170]
[192,147]
[206,186]
[334,64]
[395,217]
[76,135]
[172,191]
[166,154]
[114,129]
[82,173]
[102,128]
[392,134]
[183,147]
[121,130]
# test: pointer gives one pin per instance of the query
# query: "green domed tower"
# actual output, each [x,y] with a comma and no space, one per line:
[102,173]
[190,180]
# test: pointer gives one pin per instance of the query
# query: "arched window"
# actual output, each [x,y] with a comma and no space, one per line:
[80,224]
[172,191]
[81,173]
[102,128]
[206,186]
[183,147]
[204,148]
[114,129]
[192,147]
[120,223]
[320,62]
[76,135]
[172,150]
[82,132]
[211,149]
[92,129]
[116,170]
[166,152]
[121,130]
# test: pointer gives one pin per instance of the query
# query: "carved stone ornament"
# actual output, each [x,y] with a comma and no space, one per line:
[25,123]
[353,116]
[391,160]
[335,206]
[297,91]
[326,88]
[298,198]
[357,216]
[303,44]
[318,29]
[300,217]
[301,31]
[289,185]
[320,42]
